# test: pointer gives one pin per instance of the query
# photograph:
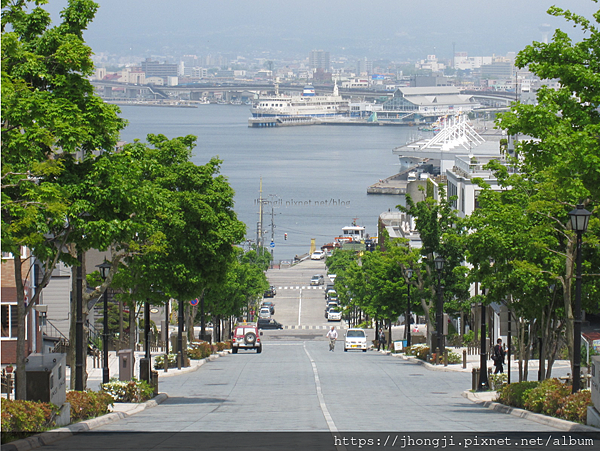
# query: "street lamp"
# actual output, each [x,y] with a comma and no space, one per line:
[104,270]
[439,267]
[409,274]
[483,377]
[579,222]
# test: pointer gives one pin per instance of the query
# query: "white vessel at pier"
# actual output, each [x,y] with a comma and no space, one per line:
[306,105]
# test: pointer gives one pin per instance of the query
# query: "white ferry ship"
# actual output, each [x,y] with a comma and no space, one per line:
[306,105]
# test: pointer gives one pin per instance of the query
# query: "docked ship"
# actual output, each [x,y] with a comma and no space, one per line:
[307,105]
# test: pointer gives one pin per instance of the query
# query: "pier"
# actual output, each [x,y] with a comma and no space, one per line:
[395,184]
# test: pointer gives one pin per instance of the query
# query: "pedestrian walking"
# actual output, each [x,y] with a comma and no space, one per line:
[332,335]
[498,357]
[381,341]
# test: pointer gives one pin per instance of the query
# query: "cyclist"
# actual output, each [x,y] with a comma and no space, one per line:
[332,335]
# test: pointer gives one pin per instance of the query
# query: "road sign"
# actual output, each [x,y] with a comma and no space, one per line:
[272,245]
[194,302]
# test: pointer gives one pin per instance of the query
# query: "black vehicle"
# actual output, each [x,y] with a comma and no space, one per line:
[271,292]
[268,323]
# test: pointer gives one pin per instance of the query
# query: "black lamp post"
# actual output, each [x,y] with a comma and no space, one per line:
[439,267]
[579,222]
[104,270]
[409,273]
[483,377]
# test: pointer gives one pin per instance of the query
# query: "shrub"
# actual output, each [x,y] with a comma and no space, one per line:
[497,381]
[199,350]
[512,394]
[419,350]
[128,391]
[575,406]
[546,397]
[159,361]
[454,357]
[88,404]
[222,346]
[20,418]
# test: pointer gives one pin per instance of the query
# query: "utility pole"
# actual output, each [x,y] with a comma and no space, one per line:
[260,219]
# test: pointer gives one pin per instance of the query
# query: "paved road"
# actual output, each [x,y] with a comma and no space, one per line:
[301,386]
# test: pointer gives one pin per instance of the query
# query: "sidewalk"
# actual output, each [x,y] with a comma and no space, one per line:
[560,368]
[94,379]
[488,398]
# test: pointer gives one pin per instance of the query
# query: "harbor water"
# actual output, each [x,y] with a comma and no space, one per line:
[314,178]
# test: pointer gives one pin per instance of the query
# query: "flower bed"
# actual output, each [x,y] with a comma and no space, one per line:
[550,397]
[128,391]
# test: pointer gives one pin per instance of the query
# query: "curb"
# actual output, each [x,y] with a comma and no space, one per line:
[557,423]
[193,367]
[49,437]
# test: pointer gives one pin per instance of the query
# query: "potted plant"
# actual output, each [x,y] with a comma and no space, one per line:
[9,368]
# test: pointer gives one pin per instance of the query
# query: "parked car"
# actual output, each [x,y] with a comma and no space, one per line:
[355,339]
[265,312]
[330,306]
[246,336]
[270,305]
[271,292]
[334,315]
[317,279]
[317,255]
[332,296]
[264,323]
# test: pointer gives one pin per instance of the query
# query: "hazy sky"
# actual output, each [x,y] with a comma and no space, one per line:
[392,29]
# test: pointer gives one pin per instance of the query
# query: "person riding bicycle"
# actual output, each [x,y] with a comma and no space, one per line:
[332,335]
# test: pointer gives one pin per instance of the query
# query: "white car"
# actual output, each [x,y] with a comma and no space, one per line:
[355,339]
[334,315]
[265,312]
[317,255]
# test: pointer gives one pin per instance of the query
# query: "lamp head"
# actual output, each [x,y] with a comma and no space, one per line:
[104,269]
[580,218]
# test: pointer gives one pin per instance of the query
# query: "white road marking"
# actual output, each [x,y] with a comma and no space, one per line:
[330,424]
[299,308]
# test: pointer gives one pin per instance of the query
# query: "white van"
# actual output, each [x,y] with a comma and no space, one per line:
[355,339]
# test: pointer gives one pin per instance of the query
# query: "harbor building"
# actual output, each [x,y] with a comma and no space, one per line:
[426,104]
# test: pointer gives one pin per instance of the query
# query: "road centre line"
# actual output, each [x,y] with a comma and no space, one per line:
[330,424]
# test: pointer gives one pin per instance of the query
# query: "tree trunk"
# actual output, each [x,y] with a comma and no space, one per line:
[132,327]
[427,308]
[21,387]
[567,284]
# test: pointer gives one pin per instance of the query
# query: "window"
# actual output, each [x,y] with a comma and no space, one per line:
[9,320]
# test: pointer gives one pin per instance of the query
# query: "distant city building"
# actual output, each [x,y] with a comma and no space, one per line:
[431,63]
[156,69]
[319,59]
[364,67]
[498,70]
[419,81]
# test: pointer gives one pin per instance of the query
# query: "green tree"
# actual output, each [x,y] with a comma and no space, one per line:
[442,233]
[49,110]
[561,148]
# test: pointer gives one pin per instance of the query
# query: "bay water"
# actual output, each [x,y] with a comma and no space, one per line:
[314,178]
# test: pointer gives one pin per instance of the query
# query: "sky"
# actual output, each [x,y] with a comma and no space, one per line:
[398,30]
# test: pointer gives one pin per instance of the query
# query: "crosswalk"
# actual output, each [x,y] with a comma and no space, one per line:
[303,287]
[301,327]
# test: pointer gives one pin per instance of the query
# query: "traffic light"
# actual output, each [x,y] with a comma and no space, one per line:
[285,236]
